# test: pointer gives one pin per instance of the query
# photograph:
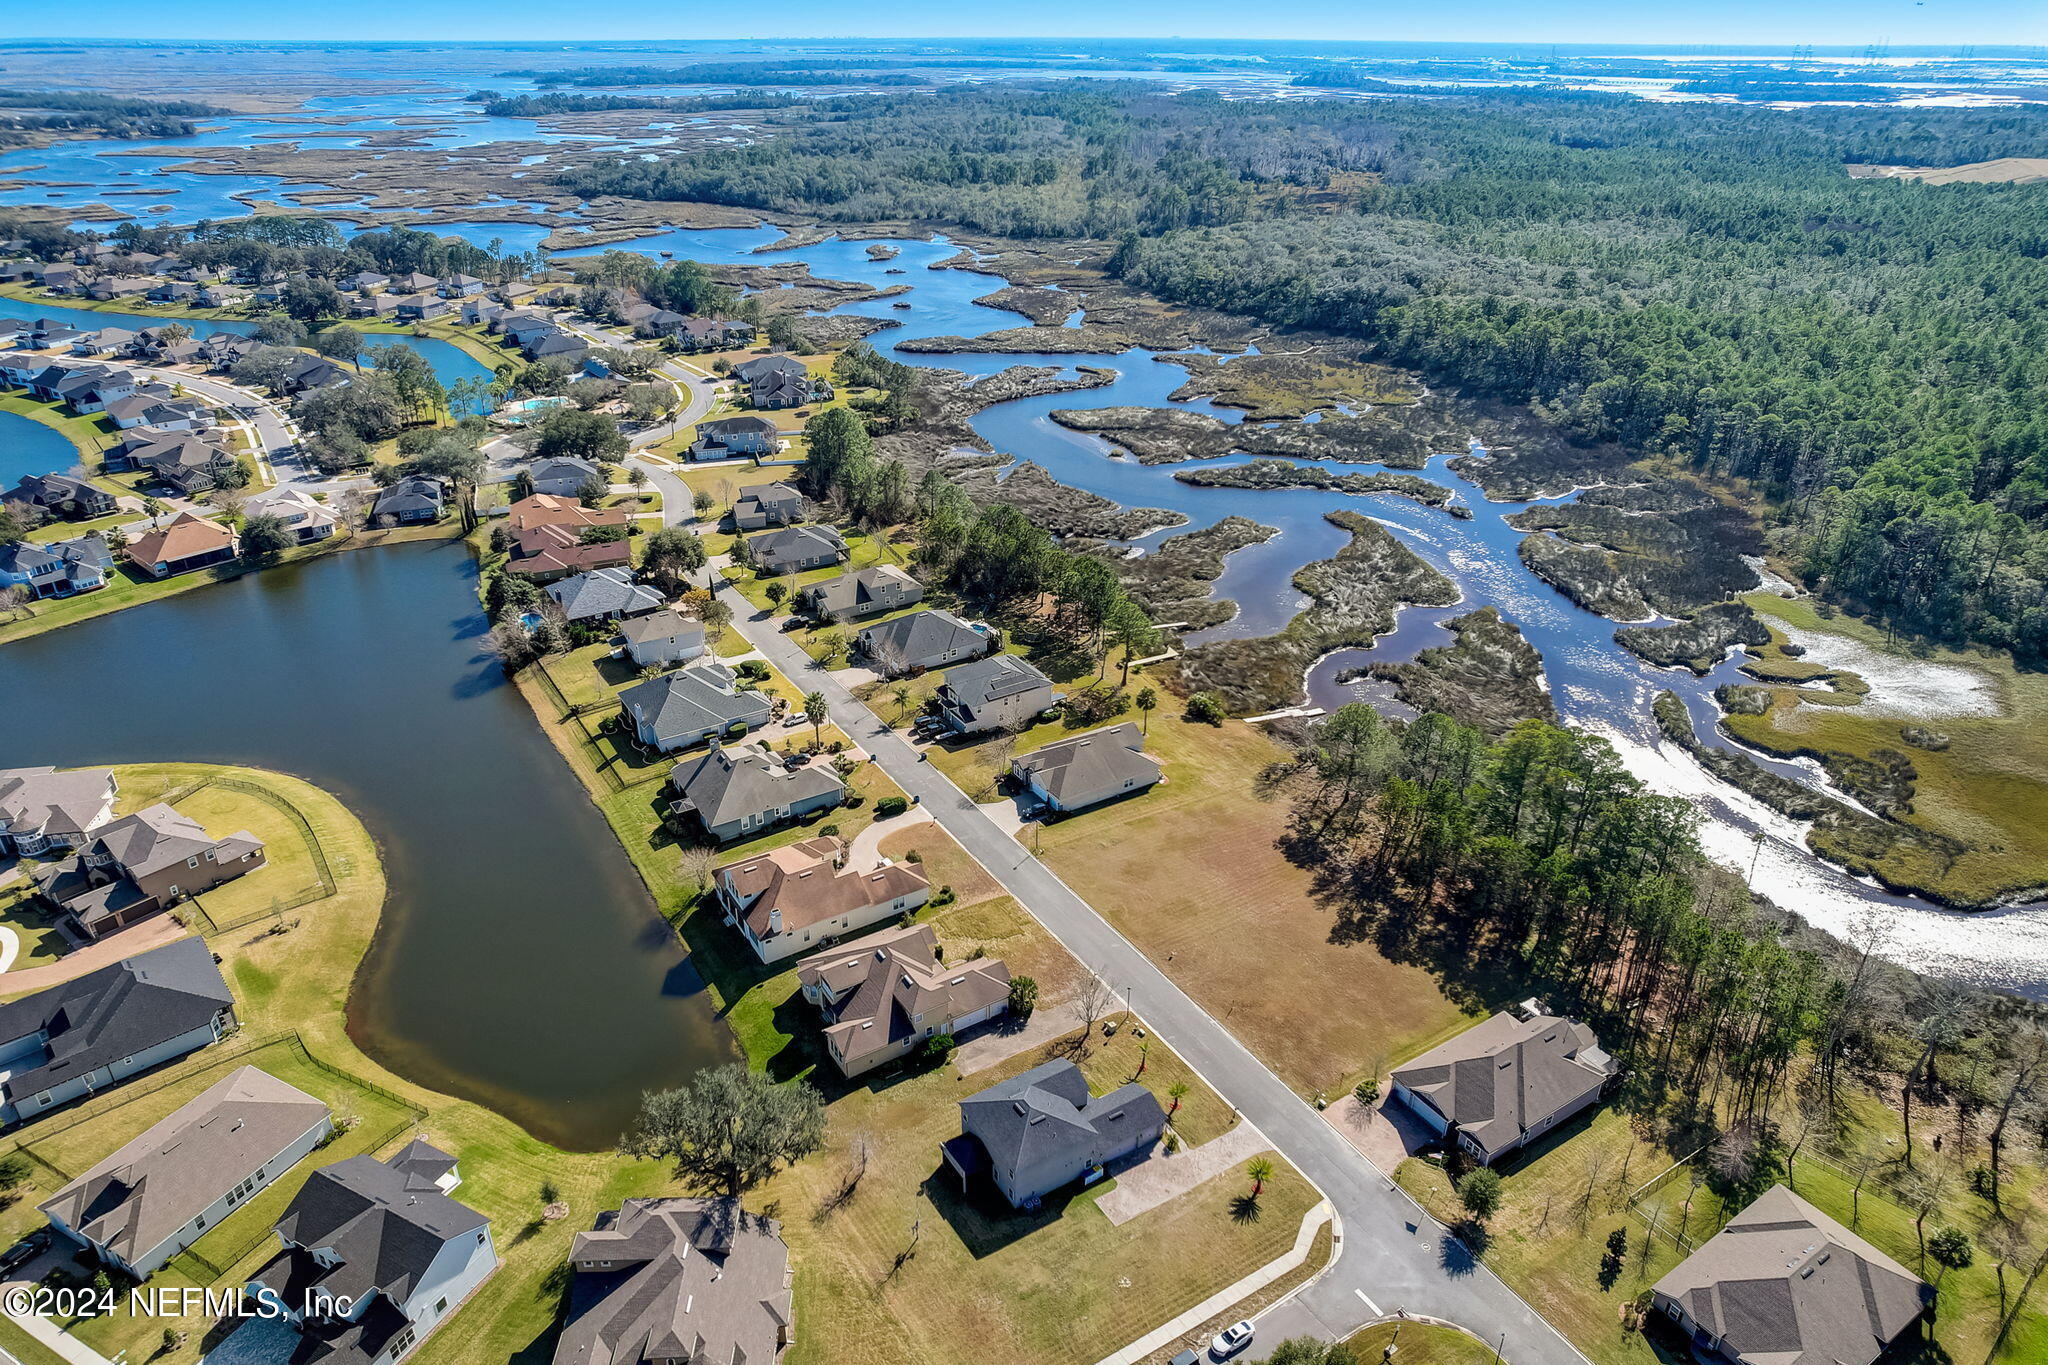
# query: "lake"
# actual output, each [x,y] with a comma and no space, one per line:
[520,962]
[28,447]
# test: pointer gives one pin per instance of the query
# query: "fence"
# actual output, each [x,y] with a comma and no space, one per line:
[323,887]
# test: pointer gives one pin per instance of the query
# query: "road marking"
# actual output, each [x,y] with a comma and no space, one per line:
[1370,1305]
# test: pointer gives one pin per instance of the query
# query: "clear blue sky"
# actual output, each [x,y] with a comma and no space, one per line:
[1901,22]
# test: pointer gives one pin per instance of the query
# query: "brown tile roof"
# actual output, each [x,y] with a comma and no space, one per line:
[800,881]
[553,549]
[545,509]
[886,982]
[182,537]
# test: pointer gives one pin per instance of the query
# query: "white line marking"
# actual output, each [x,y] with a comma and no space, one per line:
[1375,1308]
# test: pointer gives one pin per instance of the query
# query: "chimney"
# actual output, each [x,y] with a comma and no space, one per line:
[774,921]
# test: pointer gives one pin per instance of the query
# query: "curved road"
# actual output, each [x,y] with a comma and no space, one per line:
[1389,1254]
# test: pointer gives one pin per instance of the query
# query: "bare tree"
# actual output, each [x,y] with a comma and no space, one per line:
[13,598]
[2020,1087]
[697,862]
[2011,1243]
[1090,1003]
[1924,1191]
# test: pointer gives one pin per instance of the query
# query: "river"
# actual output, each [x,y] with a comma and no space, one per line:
[520,962]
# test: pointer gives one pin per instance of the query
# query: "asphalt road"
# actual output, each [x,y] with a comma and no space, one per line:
[1390,1255]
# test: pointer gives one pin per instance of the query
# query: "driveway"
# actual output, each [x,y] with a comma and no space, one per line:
[1385,1134]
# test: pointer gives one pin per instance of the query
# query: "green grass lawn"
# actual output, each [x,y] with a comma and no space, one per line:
[1988,788]
[133,303]
[39,943]
[1420,1343]
[288,873]
[863,552]
[89,434]
[51,532]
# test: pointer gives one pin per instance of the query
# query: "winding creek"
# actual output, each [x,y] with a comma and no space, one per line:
[520,962]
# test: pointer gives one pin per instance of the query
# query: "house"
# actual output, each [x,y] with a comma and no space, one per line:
[1042,1129]
[409,502]
[1505,1082]
[373,305]
[662,638]
[422,307]
[713,334]
[1086,770]
[780,381]
[305,516]
[515,291]
[221,296]
[461,286]
[309,372]
[524,324]
[885,995]
[1001,692]
[106,341]
[154,1196]
[184,544]
[64,278]
[93,1031]
[141,864]
[796,548]
[678,710]
[45,808]
[94,388]
[675,1280]
[1783,1282]
[365,282]
[61,568]
[475,311]
[775,504]
[157,408]
[109,287]
[732,437]
[603,595]
[555,344]
[375,1257]
[864,592]
[792,899]
[733,792]
[60,495]
[563,476]
[921,641]
[172,291]
[190,464]
[415,283]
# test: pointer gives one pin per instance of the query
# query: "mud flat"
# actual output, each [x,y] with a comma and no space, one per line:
[1087,339]
[1489,676]
[1353,598]
[1277,474]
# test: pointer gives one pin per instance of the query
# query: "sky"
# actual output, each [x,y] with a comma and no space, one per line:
[1899,22]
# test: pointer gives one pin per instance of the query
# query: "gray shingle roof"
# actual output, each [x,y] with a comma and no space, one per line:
[603,592]
[385,1224]
[991,679]
[685,703]
[409,495]
[860,590]
[115,1012]
[1046,1113]
[795,544]
[920,635]
[1784,1282]
[1504,1076]
[46,801]
[1101,760]
[724,784]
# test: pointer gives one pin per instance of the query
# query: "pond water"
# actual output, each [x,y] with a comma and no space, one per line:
[28,447]
[520,961]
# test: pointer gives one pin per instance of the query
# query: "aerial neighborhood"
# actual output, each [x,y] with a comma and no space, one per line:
[780,702]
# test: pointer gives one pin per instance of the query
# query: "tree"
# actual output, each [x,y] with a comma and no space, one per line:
[1207,708]
[776,591]
[1176,1092]
[549,1193]
[729,1128]
[153,508]
[1147,703]
[703,502]
[1260,1169]
[670,556]
[1023,995]
[264,537]
[339,342]
[815,712]
[570,432]
[309,300]
[1090,1003]
[698,862]
[1951,1250]
[1479,1192]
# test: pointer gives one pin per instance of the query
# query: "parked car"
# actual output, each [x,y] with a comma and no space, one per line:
[24,1251]
[1231,1340]
[1186,1358]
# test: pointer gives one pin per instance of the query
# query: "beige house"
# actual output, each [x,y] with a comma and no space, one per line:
[798,897]
[1073,774]
[1505,1082]
[884,995]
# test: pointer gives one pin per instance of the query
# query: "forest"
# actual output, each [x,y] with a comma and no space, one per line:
[25,111]
[1704,281]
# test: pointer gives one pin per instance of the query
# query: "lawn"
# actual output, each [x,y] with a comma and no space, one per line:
[1420,1343]
[299,980]
[1988,788]
[289,875]
[37,942]
[52,531]
[864,551]
[88,434]
[1236,924]
[132,303]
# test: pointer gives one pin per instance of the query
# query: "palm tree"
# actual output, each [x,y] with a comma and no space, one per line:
[1176,1092]
[1148,702]
[815,712]
[901,696]
[1260,1170]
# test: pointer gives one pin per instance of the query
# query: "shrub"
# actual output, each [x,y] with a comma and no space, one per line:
[1368,1090]
[1207,708]
[1023,995]
[1479,1192]
[890,806]
[939,1046]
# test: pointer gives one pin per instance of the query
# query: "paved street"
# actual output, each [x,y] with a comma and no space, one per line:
[1390,1255]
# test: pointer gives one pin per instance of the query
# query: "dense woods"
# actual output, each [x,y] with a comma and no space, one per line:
[26,111]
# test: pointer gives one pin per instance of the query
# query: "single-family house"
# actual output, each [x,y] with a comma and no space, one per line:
[1001,692]
[65,279]
[662,638]
[1784,1284]
[157,1194]
[309,372]
[409,502]
[735,793]
[106,341]
[109,287]
[713,334]
[670,1280]
[734,437]
[775,504]
[781,381]
[83,1035]
[184,544]
[62,568]
[513,292]
[475,311]
[172,291]
[189,463]
[792,899]
[921,641]
[1506,1081]
[461,286]
[886,995]
[221,296]
[678,710]
[1086,770]
[61,496]
[375,1257]
[305,516]
[796,548]
[141,864]
[415,283]
[864,592]
[157,408]
[555,344]
[422,307]
[1042,1130]
[48,808]
[373,305]
[365,281]
[603,595]
[563,476]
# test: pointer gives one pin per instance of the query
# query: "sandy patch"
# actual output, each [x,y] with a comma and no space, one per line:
[1901,686]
